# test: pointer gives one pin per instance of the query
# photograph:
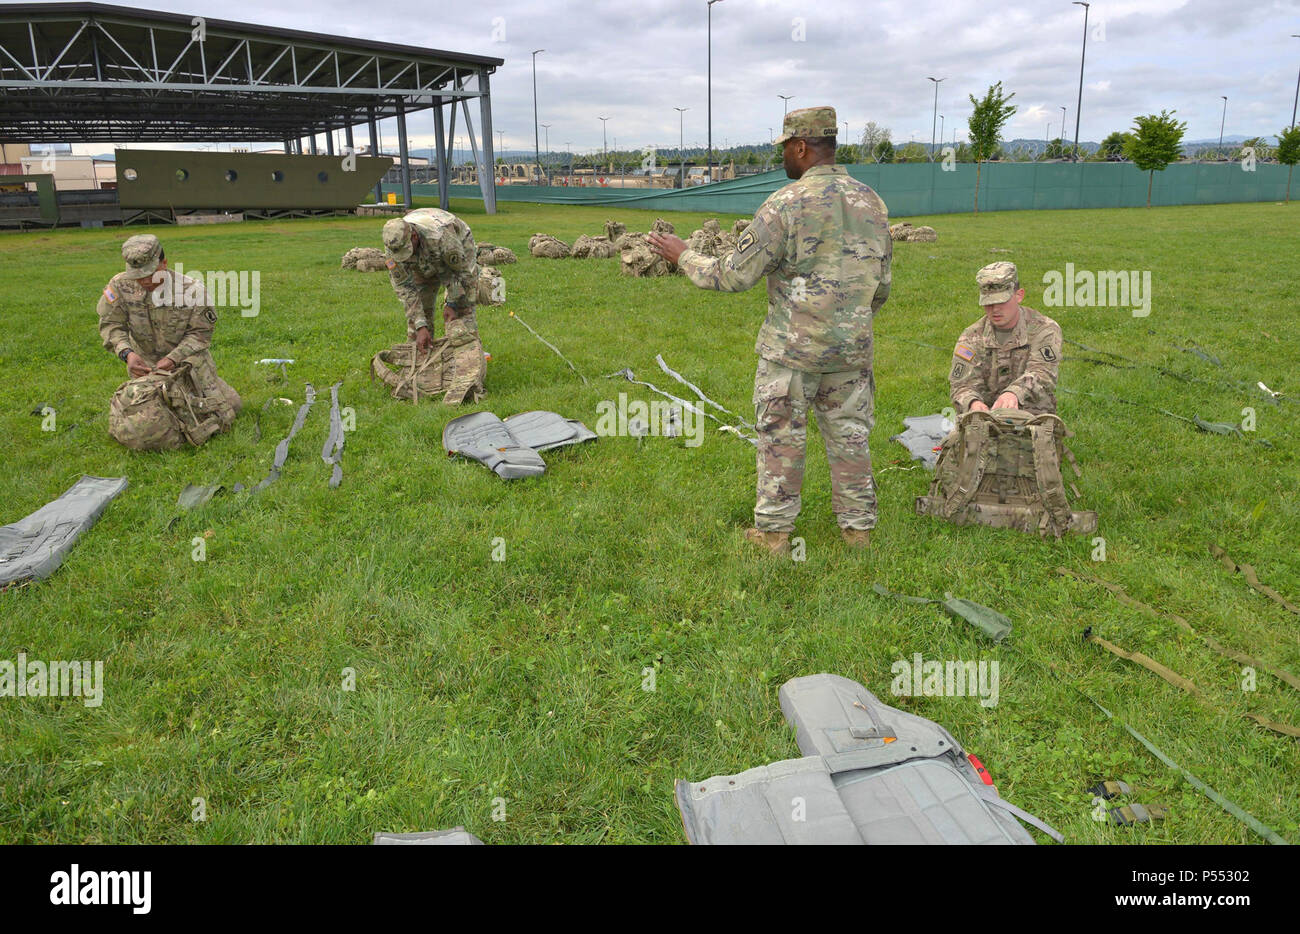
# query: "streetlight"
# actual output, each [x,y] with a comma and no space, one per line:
[708,161]
[1078,107]
[1222,120]
[681,140]
[787,98]
[1296,99]
[547,128]
[537,157]
[603,140]
[941,128]
[1063,132]
[936,112]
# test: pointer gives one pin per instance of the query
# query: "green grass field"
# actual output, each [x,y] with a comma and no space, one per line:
[521,680]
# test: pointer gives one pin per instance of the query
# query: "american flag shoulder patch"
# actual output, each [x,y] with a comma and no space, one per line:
[391,264]
[964,352]
[109,293]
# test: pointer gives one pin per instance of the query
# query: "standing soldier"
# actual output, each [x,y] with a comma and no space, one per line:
[427,249]
[823,244]
[1011,357]
[155,320]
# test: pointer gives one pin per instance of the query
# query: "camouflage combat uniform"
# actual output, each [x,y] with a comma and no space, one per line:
[175,321]
[823,244]
[445,257]
[1024,360]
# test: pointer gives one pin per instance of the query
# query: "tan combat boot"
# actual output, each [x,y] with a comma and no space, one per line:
[856,538]
[778,543]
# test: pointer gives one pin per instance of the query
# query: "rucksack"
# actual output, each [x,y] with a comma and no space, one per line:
[871,774]
[453,368]
[165,409]
[1003,469]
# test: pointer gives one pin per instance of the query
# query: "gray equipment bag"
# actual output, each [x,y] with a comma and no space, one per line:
[872,774]
[34,547]
[457,836]
[923,436]
[509,447]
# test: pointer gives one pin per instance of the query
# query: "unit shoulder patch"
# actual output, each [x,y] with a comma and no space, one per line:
[210,315]
[746,241]
[964,352]
[1049,355]
[958,370]
[392,264]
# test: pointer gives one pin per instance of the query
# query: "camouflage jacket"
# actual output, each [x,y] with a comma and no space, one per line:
[445,256]
[1027,364]
[823,243]
[176,321]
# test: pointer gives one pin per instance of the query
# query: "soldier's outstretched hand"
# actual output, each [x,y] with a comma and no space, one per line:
[978,406]
[135,365]
[668,246]
[1008,400]
[423,340]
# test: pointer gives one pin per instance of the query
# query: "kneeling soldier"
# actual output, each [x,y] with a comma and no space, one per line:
[1010,358]
[160,323]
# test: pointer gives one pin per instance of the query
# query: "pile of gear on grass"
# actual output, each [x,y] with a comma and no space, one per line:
[633,248]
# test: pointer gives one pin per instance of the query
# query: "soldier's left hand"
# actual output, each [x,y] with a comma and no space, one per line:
[1007,400]
[668,246]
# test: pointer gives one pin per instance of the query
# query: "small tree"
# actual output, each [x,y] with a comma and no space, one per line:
[1262,151]
[912,152]
[846,154]
[1288,153]
[1112,147]
[884,151]
[1055,149]
[986,123]
[872,136]
[1156,142]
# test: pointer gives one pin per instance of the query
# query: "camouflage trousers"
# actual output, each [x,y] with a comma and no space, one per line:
[433,313]
[845,407]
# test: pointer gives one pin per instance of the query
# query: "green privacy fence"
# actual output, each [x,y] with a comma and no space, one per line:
[914,189]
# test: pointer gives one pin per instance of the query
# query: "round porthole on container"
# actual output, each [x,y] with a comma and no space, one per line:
[231,175]
[182,175]
[322,177]
[277,176]
[130,175]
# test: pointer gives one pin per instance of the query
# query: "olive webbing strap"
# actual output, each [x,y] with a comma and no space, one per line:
[1249,573]
[1123,597]
[1047,471]
[1177,680]
[974,463]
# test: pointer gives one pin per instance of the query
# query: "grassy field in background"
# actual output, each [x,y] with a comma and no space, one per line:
[522,679]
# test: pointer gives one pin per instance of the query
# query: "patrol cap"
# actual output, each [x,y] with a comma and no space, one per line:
[810,121]
[397,240]
[141,253]
[997,282]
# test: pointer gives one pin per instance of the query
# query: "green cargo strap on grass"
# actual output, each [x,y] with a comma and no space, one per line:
[1178,681]
[989,621]
[1110,789]
[1249,573]
[1256,389]
[1196,421]
[1123,597]
[332,453]
[1234,809]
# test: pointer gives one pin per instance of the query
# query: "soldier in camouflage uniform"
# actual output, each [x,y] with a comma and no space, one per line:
[823,244]
[154,320]
[1010,358]
[428,249]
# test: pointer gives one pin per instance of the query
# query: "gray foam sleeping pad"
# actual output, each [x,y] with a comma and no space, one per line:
[509,447]
[457,836]
[922,434]
[871,774]
[34,547]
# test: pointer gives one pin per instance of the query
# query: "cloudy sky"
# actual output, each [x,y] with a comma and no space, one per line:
[635,60]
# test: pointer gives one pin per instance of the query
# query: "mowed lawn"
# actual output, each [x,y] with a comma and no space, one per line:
[515,689]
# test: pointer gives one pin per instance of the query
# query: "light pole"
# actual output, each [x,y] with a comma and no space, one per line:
[708,160]
[537,156]
[1222,120]
[936,112]
[787,98]
[1063,134]
[546,127]
[1078,107]
[681,141]
[1295,99]
[941,128]
[604,145]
